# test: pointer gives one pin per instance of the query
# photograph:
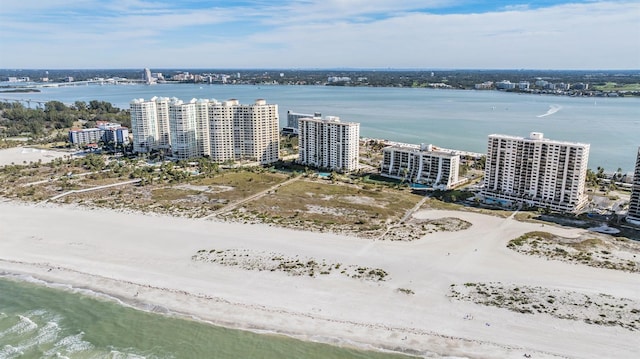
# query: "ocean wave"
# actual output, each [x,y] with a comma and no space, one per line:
[10,352]
[552,109]
[69,345]
[47,334]
[115,354]
[24,325]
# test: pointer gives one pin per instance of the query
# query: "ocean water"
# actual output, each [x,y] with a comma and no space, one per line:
[456,119]
[37,321]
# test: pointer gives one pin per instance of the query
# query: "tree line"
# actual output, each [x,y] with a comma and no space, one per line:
[42,123]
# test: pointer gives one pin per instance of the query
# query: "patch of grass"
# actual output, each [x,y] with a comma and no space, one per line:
[612,86]
[171,194]
[244,183]
[587,244]
[333,207]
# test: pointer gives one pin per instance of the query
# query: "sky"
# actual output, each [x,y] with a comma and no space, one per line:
[311,34]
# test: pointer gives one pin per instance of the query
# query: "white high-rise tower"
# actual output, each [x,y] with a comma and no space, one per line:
[536,171]
[634,205]
[329,143]
[183,128]
[144,125]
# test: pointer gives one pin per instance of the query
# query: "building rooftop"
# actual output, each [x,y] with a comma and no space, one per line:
[539,137]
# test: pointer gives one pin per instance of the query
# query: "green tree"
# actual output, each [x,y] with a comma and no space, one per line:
[54,106]
[80,105]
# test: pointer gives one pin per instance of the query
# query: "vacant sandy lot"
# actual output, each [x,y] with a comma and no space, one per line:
[22,155]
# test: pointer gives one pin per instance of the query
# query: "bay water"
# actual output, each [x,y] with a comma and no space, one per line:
[37,321]
[455,119]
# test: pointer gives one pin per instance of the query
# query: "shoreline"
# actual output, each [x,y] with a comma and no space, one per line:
[602,93]
[156,270]
[144,306]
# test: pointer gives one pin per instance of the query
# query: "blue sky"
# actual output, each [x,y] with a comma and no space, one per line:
[427,34]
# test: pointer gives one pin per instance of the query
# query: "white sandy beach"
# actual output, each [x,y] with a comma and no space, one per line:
[146,261]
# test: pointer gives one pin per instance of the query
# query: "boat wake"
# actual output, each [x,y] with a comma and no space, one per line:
[552,109]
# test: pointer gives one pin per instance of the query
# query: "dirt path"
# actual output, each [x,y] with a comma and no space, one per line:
[239,202]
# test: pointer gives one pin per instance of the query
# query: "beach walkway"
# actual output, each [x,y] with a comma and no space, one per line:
[93,189]
[239,202]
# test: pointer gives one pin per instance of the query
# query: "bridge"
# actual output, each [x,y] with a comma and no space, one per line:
[95,82]
[27,102]
[110,81]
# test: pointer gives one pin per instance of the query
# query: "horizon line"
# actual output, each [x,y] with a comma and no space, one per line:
[316,69]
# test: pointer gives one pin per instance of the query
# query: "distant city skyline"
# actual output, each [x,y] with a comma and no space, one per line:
[470,34]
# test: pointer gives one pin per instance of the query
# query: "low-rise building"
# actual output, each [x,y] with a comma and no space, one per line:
[505,85]
[423,164]
[84,136]
[487,85]
[103,132]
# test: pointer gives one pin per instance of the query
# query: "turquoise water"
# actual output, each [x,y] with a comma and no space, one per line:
[41,322]
[455,119]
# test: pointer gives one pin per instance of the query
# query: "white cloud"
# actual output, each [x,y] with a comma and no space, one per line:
[332,33]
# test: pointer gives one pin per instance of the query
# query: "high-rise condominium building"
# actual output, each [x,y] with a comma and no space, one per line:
[223,130]
[183,129]
[329,143]
[162,117]
[244,132]
[422,164]
[537,172]
[203,138]
[634,205]
[144,125]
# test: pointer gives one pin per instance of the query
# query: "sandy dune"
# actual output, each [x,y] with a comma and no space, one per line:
[146,261]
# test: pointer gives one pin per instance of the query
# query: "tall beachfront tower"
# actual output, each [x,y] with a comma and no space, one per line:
[535,171]
[162,115]
[183,129]
[329,143]
[144,125]
[244,132]
[221,139]
[424,164]
[259,137]
[202,127]
[223,130]
[634,205]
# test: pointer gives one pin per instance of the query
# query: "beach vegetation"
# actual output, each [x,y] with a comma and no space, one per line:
[406,291]
[561,304]
[295,266]
[590,250]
